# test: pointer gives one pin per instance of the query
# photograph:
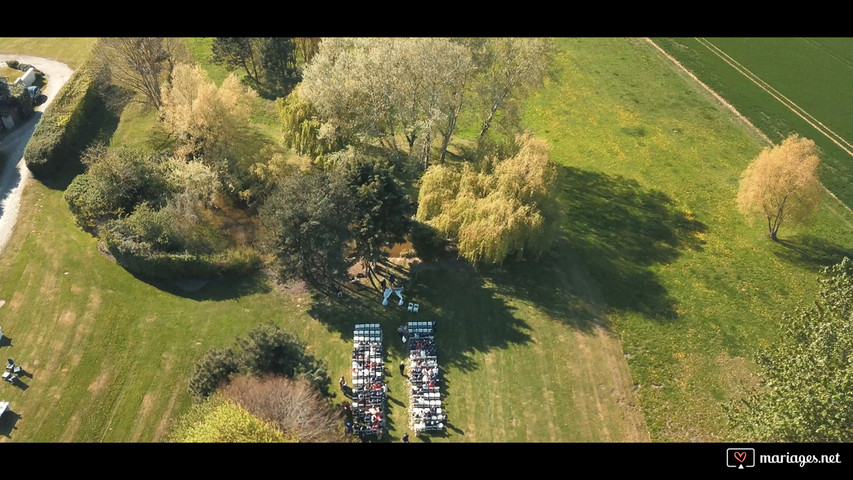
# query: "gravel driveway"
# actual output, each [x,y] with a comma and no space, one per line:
[15,174]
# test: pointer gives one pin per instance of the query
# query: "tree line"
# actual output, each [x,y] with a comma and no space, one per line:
[371,117]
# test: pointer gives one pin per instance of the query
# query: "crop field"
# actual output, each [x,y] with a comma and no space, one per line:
[784,85]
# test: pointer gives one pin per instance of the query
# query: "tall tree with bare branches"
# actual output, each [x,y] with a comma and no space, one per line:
[294,406]
[141,64]
[781,185]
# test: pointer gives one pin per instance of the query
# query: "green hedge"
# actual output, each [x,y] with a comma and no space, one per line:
[166,265]
[60,134]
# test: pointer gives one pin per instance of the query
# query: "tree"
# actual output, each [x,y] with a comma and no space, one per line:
[210,123]
[495,213]
[141,64]
[508,70]
[808,391]
[300,128]
[781,185]
[278,57]
[220,420]
[265,350]
[237,52]
[270,350]
[117,180]
[212,371]
[269,62]
[381,210]
[293,406]
[306,227]
[306,47]
[379,89]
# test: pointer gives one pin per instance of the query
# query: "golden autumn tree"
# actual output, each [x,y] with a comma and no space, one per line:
[781,185]
[208,121]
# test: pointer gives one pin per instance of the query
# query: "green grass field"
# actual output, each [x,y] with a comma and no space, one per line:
[692,288]
[812,73]
[638,326]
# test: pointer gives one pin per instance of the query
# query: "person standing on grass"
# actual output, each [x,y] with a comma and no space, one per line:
[343,385]
[403,368]
[406,438]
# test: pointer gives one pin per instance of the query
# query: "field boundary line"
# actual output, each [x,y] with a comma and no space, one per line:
[736,112]
[787,102]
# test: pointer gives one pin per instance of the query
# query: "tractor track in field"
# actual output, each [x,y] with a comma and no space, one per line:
[793,107]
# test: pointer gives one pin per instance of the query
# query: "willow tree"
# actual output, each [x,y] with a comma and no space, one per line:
[781,185]
[494,214]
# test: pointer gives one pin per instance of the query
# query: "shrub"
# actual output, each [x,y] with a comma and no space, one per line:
[266,350]
[12,63]
[88,200]
[214,369]
[293,406]
[219,420]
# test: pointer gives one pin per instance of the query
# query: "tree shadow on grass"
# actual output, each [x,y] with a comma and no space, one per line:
[613,232]
[224,287]
[471,317]
[811,252]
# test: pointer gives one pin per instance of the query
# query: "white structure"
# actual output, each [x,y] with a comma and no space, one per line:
[389,291]
[28,77]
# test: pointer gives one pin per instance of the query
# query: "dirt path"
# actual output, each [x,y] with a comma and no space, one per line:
[15,174]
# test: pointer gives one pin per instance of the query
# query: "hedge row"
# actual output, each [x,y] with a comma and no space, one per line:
[60,132]
[170,266]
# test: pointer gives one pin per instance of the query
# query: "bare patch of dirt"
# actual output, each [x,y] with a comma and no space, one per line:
[296,287]
[737,376]
[166,418]
[67,317]
[98,384]
[94,301]
[70,431]
[144,411]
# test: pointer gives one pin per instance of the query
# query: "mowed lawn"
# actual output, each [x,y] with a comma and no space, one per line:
[110,355]
[651,172]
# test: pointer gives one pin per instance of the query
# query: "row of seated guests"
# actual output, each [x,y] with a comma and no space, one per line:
[370,391]
[424,405]
[368,421]
[429,418]
[425,345]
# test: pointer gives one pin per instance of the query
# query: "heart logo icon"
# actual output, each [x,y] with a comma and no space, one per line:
[740,456]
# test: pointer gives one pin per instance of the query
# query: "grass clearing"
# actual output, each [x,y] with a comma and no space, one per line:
[71,51]
[693,295]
